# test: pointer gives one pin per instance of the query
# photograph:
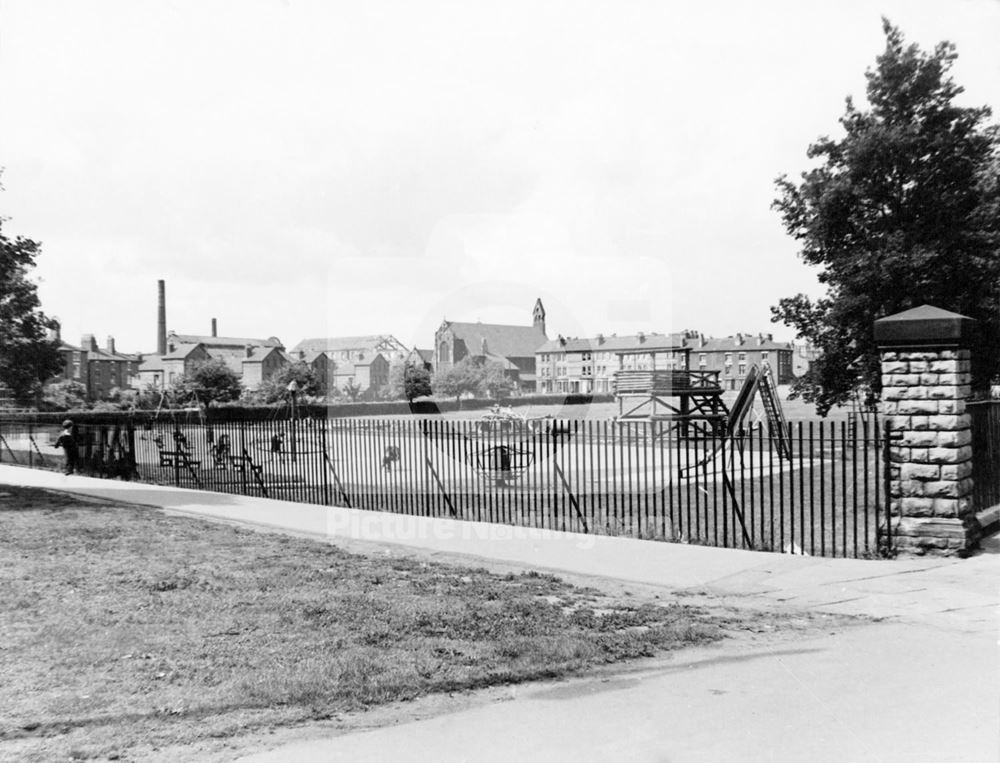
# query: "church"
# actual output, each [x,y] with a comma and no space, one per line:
[512,346]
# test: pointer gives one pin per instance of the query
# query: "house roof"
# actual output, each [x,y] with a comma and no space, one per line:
[151,363]
[340,343]
[181,351]
[264,354]
[626,343]
[305,356]
[506,341]
[213,342]
[425,355]
[740,343]
[504,362]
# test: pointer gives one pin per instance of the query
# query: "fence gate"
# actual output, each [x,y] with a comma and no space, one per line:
[985,453]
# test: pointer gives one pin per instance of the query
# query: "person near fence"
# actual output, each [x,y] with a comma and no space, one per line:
[222,450]
[277,441]
[67,442]
[390,457]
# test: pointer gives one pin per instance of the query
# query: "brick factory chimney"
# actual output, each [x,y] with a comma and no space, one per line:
[215,328]
[161,319]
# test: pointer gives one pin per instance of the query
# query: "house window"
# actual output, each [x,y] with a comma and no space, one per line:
[729,358]
[743,369]
[729,368]
[702,360]
[743,357]
[763,359]
[586,356]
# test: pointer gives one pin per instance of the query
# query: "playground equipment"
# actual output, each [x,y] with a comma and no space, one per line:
[651,395]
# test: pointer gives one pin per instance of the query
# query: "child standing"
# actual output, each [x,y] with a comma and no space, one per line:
[67,442]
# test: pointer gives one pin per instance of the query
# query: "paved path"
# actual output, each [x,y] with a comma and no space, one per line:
[922,685]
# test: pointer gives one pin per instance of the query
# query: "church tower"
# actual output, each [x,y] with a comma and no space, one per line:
[538,316]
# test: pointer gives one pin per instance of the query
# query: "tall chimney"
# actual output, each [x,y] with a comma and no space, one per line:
[215,328]
[161,322]
[111,345]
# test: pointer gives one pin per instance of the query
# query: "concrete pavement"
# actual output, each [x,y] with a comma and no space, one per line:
[923,685]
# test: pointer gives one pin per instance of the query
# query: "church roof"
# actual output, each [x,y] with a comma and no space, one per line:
[506,341]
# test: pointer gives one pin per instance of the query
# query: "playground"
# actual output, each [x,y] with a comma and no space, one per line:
[681,464]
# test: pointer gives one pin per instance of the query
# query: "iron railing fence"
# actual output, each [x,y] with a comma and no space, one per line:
[826,494]
[985,417]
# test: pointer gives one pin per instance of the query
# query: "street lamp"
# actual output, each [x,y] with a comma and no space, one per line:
[293,389]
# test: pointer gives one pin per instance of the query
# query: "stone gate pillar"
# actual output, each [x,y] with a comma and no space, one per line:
[926,382]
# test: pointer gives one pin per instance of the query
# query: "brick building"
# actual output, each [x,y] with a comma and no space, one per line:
[513,347]
[588,365]
[732,356]
[253,360]
[99,369]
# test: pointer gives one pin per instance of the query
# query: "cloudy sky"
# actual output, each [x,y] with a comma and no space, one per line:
[306,169]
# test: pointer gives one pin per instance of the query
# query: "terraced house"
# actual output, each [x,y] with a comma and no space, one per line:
[732,356]
[100,369]
[588,365]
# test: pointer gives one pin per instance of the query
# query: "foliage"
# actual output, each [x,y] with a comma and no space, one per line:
[903,210]
[472,377]
[64,395]
[27,357]
[459,379]
[275,389]
[211,382]
[408,381]
[494,381]
[352,390]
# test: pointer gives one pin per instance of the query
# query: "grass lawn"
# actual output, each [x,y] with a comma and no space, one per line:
[124,631]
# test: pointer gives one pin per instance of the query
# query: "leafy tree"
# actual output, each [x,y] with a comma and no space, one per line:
[459,379]
[64,395]
[27,357]
[409,381]
[494,381]
[352,389]
[276,388]
[903,210]
[211,382]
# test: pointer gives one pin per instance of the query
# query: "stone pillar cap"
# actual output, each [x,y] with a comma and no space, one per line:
[924,326]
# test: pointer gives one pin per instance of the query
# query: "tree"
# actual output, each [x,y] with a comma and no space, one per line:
[409,381]
[494,381]
[459,379]
[352,389]
[64,395]
[276,388]
[211,382]
[27,357]
[903,210]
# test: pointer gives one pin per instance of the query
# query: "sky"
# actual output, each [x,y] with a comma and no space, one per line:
[304,169]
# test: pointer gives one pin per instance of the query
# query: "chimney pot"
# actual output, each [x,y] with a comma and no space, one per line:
[249,350]
[111,345]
